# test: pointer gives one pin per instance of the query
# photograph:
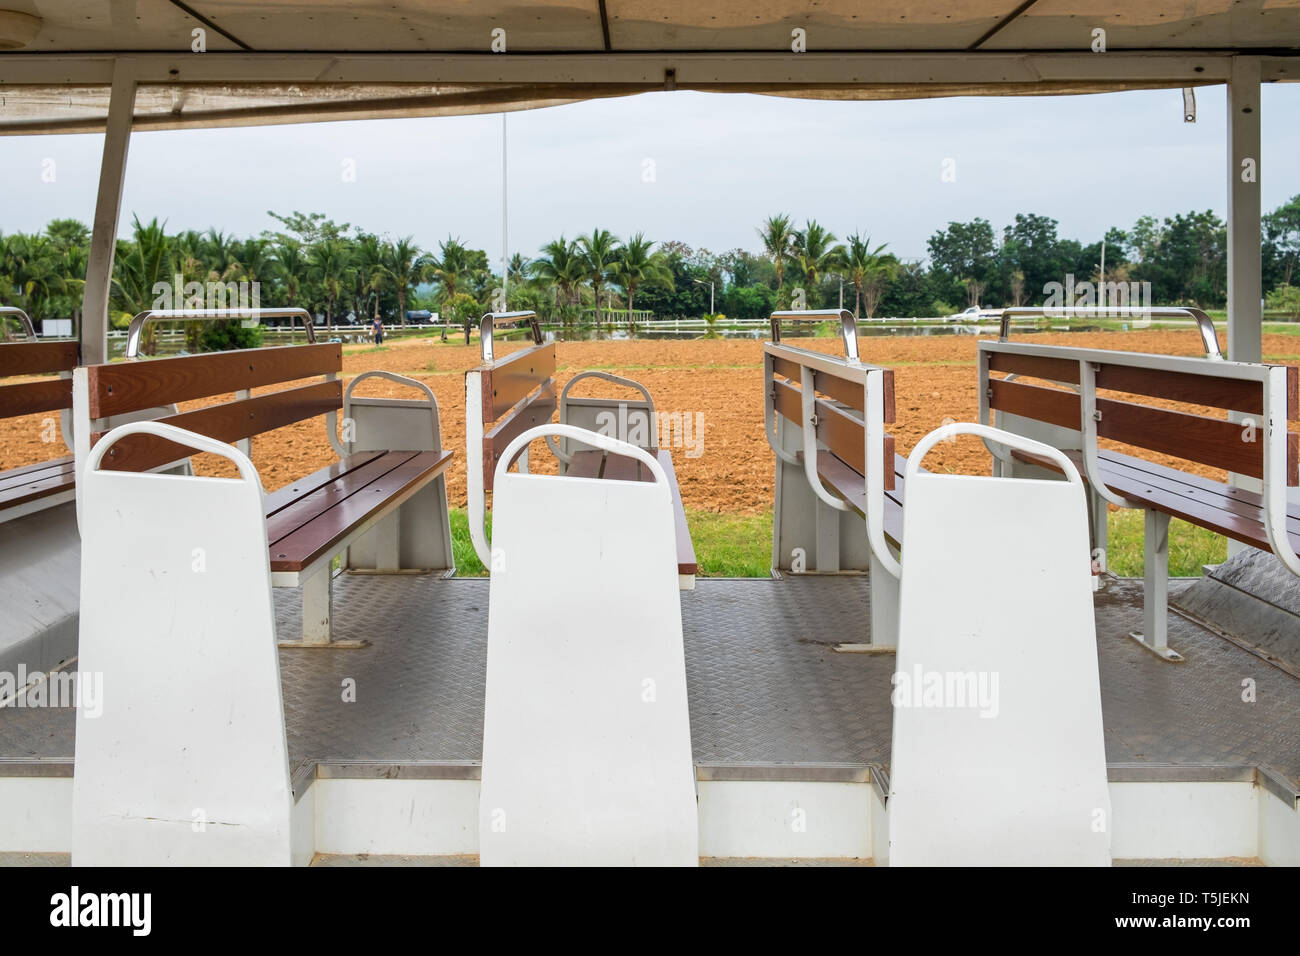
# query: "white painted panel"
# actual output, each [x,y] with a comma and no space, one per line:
[1160,821]
[35,814]
[1279,831]
[1006,765]
[414,817]
[188,762]
[785,820]
[586,736]
[303,821]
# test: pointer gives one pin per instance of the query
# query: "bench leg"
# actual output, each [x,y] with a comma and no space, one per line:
[1155,594]
[828,539]
[388,540]
[317,601]
[884,613]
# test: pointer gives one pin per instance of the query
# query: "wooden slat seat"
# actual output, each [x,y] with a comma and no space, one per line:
[851,485]
[30,483]
[1246,434]
[44,484]
[1233,512]
[311,522]
[600,464]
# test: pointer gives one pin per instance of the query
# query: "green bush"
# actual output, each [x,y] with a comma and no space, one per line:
[226,335]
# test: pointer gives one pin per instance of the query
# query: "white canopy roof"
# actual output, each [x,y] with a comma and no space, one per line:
[278,62]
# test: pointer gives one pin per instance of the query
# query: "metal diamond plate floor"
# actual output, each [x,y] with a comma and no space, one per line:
[765,685]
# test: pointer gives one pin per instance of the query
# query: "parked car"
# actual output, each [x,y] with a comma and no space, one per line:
[975,314]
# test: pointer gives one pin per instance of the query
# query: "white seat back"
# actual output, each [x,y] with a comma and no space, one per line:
[187,764]
[586,735]
[998,756]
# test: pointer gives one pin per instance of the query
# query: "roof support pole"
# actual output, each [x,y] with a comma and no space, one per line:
[1245,280]
[1245,284]
[108,205]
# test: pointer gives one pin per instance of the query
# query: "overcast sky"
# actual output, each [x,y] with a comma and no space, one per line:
[702,168]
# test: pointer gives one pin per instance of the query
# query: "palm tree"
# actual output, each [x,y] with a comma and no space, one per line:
[599,252]
[329,260]
[862,264]
[291,266]
[405,267]
[33,269]
[561,267]
[778,241]
[450,270]
[638,264]
[142,262]
[815,253]
[371,273]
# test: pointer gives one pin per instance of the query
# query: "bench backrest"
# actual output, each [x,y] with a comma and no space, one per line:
[103,392]
[1075,375]
[506,397]
[839,403]
[36,358]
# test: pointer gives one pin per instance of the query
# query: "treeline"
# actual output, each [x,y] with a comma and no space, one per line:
[335,270]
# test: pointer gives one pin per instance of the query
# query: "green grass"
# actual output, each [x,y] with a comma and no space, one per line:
[731,546]
[1190,547]
[740,546]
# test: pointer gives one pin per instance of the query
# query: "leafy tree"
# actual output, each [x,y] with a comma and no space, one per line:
[637,264]
[599,252]
[777,233]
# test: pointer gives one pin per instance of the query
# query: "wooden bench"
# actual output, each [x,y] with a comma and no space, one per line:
[506,397]
[32,488]
[836,466]
[1066,410]
[312,520]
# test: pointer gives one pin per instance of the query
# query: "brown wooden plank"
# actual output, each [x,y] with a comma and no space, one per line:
[1172,494]
[841,432]
[37,472]
[509,380]
[1227,393]
[227,422]
[1292,392]
[131,386]
[534,411]
[1232,499]
[686,562]
[28,398]
[1035,366]
[282,497]
[1207,441]
[851,486]
[840,389]
[1052,405]
[315,501]
[33,358]
[14,495]
[323,536]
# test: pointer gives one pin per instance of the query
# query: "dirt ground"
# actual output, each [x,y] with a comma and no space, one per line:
[720,381]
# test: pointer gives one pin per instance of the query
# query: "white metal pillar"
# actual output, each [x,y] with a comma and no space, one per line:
[1245,267]
[108,205]
[1245,282]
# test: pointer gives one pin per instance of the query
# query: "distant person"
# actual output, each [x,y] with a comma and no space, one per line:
[377,327]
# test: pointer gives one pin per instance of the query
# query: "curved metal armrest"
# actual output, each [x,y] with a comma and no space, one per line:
[24,319]
[848,326]
[494,320]
[136,329]
[554,445]
[1204,324]
[392,377]
[180,436]
[614,446]
[990,434]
